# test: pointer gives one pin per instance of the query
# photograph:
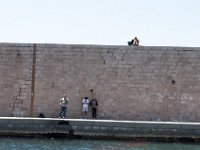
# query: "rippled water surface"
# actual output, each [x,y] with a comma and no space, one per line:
[69,144]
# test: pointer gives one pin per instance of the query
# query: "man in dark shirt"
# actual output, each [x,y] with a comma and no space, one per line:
[94,105]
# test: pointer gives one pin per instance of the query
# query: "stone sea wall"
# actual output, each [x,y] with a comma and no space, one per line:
[113,129]
[130,83]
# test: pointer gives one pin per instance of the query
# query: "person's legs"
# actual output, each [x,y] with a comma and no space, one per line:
[86,110]
[64,112]
[95,112]
[85,114]
[61,111]
[83,111]
[82,114]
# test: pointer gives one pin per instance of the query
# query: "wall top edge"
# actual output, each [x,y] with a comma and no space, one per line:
[102,121]
[141,47]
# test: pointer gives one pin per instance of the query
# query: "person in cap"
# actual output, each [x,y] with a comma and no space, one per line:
[63,106]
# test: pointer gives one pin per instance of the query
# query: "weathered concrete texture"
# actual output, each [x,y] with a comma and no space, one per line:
[130,83]
[12,126]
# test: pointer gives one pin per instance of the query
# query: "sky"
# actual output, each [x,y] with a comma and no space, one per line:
[101,22]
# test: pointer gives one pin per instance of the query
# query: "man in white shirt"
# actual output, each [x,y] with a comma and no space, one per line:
[85,103]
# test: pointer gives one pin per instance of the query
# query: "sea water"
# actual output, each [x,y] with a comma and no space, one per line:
[85,144]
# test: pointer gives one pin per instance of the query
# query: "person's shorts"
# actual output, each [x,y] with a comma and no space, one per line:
[85,108]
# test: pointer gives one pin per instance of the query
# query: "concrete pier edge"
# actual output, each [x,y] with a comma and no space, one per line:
[101,129]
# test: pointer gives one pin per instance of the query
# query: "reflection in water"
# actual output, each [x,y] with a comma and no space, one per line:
[84,144]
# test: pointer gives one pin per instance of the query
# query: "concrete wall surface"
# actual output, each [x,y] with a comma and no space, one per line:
[130,83]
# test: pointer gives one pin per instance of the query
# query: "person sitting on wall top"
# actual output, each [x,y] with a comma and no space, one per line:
[134,42]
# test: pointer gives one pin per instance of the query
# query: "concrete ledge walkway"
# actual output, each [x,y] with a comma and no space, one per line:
[24,126]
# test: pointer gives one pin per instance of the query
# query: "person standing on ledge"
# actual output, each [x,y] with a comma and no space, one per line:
[85,102]
[63,103]
[94,105]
